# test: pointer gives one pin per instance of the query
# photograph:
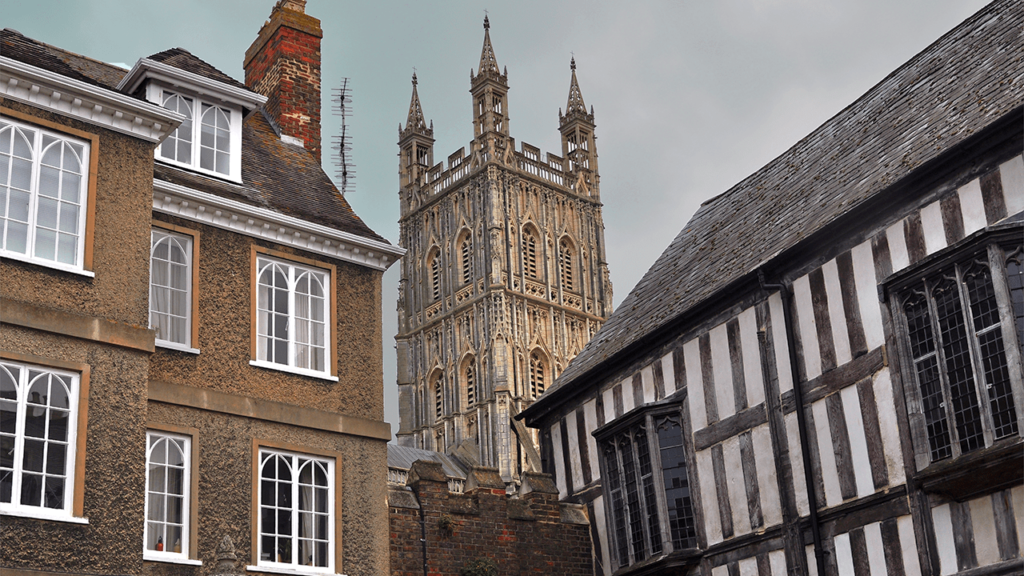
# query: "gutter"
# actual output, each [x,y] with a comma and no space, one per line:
[801,419]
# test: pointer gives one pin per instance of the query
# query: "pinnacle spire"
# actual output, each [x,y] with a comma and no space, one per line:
[415,120]
[488,63]
[575,104]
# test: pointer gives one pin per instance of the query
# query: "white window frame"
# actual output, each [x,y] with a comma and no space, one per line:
[15,507]
[189,248]
[294,567]
[293,270]
[33,210]
[181,557]
[157,94]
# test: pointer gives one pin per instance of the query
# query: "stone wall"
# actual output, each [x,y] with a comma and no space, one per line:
[531,533]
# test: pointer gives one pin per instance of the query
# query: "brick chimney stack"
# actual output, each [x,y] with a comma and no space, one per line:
[283,64]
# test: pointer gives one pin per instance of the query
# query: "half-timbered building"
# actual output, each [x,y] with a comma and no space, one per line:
[822,372]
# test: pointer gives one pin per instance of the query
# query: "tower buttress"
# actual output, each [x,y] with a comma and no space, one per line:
[579,144]
[489,88]
[416,143]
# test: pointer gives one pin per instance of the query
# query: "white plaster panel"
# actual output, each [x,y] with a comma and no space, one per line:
[781,343]
[668,370]
[897,239]
[709,497]
[886,408]
[628,402]
[972,206]
[736,486]
[983,521]
[575,466]
[748,567]
[876,552]
[807,326]
[797,463]
[1012,173]
[1017,498]
[858,441]
[647,380]
[556,445]
[777,562]
[602,532]
[827,455]
[944,543]
[590,423]
[812,564]
[767,481]
[694,385]
[722,570]
[867,294]
[609,405]
[844,555]
[934,231]
[908,545]
[751,357]
[836,313]
[721,368]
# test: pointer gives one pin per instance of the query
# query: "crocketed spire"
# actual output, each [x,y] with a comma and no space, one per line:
[416,123]
[575,107]
[488,69]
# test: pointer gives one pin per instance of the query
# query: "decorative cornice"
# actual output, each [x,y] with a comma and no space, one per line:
[257,222]
[92,104]
[146,69]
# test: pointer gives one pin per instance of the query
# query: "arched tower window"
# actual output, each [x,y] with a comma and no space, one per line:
[466,254]
[434,264]
[470,377]
[538,377]
[438,396]
[530,253]
[565,251]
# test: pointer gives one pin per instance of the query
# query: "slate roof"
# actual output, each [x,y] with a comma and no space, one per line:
[954,88]
[403,457]
[278,176]
[184,60]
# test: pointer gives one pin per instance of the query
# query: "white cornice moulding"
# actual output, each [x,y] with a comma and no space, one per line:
[236,216]
[146,69]
[92,104]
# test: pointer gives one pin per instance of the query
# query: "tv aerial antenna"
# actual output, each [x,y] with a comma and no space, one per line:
[341,105]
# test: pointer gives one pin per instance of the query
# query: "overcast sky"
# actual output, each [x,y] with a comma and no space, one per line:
[690,97]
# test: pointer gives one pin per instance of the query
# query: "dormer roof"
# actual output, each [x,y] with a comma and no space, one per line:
[181,69]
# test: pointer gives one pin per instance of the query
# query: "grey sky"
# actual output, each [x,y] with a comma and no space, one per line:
[689,97]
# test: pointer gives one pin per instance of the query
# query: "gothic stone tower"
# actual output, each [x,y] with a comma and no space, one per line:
[505,278]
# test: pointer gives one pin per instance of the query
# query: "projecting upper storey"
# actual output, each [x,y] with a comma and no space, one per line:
[228,155]
[929,106]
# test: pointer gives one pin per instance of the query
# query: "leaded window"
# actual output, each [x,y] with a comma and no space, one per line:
[647,501]
[43,195]
[38,419]
[292,313]
[963,338]
[168,479]
[296,515]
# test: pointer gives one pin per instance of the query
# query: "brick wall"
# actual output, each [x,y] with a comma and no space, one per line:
[529,534]
[283,64]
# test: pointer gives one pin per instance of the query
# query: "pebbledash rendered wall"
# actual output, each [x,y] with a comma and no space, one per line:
[437,532]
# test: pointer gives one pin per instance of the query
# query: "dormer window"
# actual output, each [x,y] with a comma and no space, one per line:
[208,140]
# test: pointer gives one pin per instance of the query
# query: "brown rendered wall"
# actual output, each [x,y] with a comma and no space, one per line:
[225,498]
[526,535]
[225,333]
[111,495]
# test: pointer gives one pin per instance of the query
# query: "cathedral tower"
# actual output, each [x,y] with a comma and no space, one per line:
[505,278]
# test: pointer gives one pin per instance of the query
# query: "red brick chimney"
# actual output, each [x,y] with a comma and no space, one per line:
[283,64]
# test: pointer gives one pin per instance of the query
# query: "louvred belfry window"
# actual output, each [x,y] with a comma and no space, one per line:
[466,249]
[530,254]
[962,336]
[435,276]
[565,264]
[648,496]
[537,375]
[470,384]
[439,396]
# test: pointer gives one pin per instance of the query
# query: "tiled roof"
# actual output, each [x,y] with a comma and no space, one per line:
[275,175]
[403,457]
[279,176]
[184,60]
[957,86]
[16,46]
